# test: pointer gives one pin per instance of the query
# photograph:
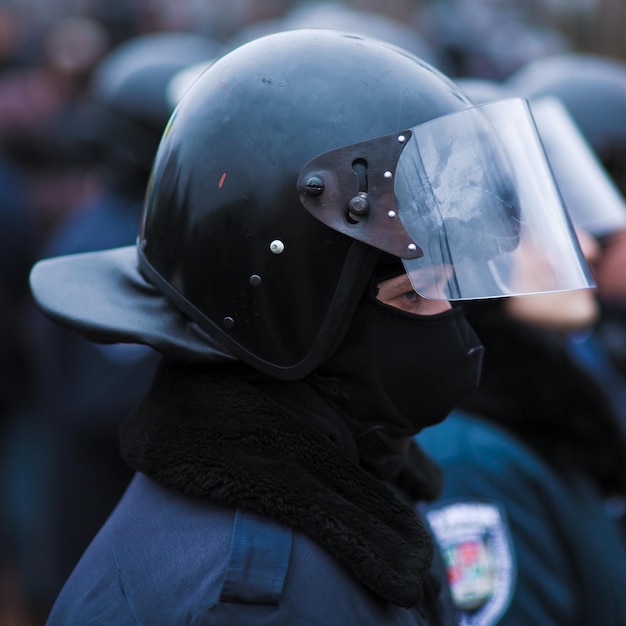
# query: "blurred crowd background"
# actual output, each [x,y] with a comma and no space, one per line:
[86,87]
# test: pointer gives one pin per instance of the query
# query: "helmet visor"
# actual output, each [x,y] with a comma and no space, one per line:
[477,184]
[467,201]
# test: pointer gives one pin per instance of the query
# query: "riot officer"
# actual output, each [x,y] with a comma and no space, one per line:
[317,200]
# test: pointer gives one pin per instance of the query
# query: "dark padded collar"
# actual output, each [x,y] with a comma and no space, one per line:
[205,432]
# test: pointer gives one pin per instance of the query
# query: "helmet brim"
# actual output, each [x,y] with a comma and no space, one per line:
[103,296]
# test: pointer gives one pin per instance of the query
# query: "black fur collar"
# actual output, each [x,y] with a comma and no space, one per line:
[205,432]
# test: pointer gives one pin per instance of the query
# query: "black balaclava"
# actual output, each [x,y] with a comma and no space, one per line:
[399,372]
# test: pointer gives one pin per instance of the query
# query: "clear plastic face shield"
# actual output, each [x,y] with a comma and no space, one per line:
[467,201]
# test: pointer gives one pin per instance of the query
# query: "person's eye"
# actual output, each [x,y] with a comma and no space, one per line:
[411,296]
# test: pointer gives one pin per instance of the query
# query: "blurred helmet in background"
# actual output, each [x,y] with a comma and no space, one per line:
[129,93]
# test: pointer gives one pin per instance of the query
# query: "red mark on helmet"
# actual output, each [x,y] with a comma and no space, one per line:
[224,86]
[222,179]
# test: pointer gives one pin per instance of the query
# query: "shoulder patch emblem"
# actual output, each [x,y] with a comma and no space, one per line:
[477,550]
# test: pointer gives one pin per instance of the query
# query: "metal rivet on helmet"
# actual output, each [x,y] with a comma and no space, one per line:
[277,246]
[314,186]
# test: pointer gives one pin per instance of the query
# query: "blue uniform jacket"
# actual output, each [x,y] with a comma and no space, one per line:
[188,561]
[551,553]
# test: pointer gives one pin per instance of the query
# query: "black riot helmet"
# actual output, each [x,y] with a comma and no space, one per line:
[276,284]
[285,170]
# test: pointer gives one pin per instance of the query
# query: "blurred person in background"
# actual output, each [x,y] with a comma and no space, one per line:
[535,459]
[17,253]
[593,90]
[82,391]
[41,174]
